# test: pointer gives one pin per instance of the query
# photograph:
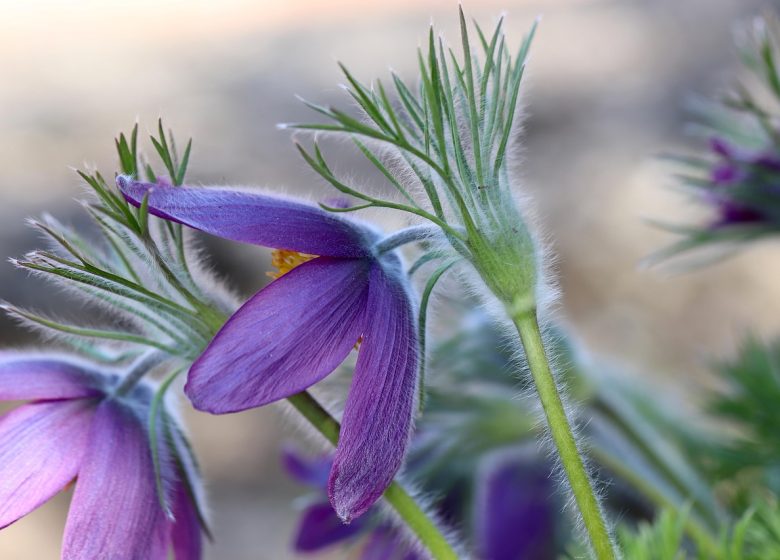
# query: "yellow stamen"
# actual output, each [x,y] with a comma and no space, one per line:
[284,261]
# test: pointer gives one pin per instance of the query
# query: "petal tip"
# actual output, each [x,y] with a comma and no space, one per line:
[348,505]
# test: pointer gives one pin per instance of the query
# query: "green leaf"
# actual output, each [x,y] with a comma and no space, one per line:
[474,120]
[421,324]
[185,160]
[143,215]
[157,414]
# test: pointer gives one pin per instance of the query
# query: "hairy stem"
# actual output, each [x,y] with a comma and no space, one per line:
[561,431]
[146,363]
[412,514]
[404,236]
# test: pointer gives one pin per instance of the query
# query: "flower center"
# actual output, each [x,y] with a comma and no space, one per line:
[284,261]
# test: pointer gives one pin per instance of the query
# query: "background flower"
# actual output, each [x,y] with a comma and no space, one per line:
[75,428]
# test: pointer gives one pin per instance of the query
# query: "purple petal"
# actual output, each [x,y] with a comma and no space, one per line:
[41,447]
[190,475]
[768,161]
[312,471]
[185,531]
[270,221]
[290,335]
[515,514]
[115,512]
[28,377]
[726,173]
[320,527]
[722,147]
[378,415]
[731,213]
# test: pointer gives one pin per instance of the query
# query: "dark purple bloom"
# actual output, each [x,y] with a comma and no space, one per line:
[321,528]
[513,515]
[74,429]
[731,213]
[726,173]
[298,329]
[738,171]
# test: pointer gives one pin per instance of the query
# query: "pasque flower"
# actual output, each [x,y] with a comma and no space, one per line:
[511,511]
[74,428]
[513,514]
[320,528]
[744,185]
[298,329]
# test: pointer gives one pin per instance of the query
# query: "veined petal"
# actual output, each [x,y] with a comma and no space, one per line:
[377,418]
[28,377]
[320,527]
[290,335]
[186,535]
[270,221]
[41,447]
[115,513]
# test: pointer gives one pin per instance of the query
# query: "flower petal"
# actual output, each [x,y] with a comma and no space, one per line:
[290,335]
[320,527]
[186,535]
[378,415]
[41,447]
[27,377]
[189,475]
[515,516]
[115,512]
[270,221]
[312,471]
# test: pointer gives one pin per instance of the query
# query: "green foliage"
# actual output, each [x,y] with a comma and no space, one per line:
[660,541]
[754,536]
[475,405]
[451,134]
[140,273]
[749,402]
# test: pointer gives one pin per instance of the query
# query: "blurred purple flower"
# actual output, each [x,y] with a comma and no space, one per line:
[514,515]
[735,172]
[299,328]
[75,429]
[321,528]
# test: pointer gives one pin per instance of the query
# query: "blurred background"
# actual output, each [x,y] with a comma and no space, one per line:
[604,94]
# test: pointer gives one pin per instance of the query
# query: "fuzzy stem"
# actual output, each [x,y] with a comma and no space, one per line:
[404,236]
[146,363]
[560,428]
[412,514]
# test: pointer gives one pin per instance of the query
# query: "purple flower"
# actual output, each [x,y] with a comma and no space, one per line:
[298,329]
[74,429]
[321,528]
[513,515]
[736,172]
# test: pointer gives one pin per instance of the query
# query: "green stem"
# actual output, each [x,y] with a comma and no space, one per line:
[414,517]
[560,429]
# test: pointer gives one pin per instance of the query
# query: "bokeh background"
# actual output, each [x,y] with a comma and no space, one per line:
[605,93]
